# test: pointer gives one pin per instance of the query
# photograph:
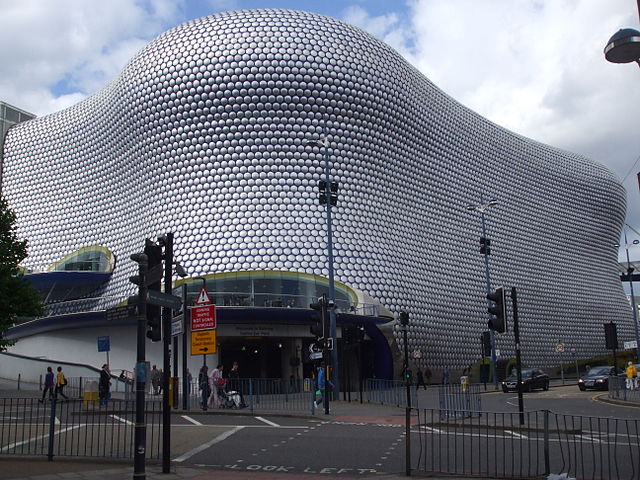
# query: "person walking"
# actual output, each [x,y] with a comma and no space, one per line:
[155,380]
[322,383]
[61,381]
[427,375]
[49,383]
[104,385]
[203,385]
[420,380]
[234,382]
[632,373]
[217,384]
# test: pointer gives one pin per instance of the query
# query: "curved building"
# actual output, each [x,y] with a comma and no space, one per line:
[209,133]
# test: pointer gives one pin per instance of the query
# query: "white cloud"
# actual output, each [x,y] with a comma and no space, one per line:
[76,43]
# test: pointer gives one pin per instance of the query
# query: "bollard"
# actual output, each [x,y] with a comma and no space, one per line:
[19,378]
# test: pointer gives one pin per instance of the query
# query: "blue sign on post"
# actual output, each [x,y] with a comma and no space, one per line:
[103,344]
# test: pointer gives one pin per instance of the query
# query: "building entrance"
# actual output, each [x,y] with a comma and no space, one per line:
[257,357]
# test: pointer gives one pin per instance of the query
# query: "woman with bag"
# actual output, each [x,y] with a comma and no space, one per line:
[203,385]
[61,381]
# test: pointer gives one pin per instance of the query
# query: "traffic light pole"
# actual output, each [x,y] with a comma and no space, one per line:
[516,336]
[140,432]
[166,344]
[488,283]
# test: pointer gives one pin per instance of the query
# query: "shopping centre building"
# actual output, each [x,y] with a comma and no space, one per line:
[219,131]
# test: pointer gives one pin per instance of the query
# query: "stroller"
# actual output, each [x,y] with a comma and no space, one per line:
[228,399]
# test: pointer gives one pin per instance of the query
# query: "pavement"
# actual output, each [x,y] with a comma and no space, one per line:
[15,467]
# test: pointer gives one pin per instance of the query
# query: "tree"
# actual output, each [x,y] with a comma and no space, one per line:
[17,297]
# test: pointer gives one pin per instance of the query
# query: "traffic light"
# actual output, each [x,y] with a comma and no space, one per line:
[333,192]
[498,311]
[485,246]
[154,312]
[611,335]
[486,344]
[408,375]
[319,320]
[404,319]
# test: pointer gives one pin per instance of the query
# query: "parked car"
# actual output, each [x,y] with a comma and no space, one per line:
[597,378]
[531,378]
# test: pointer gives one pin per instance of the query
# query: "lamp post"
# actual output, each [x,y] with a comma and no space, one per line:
[328,197]
[485,245]
[633,298]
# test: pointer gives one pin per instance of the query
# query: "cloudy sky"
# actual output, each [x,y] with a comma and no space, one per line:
[535,67]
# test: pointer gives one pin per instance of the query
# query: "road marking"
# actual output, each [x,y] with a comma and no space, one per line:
[515,434]
[204,446]
[189,419]
[58,432]
[268,422]
[123,420]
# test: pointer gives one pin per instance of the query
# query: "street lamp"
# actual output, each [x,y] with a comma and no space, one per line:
[624,45]
[633,298]
[485,245]
[328,196]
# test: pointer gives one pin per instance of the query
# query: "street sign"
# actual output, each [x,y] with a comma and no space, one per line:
[203,297]
[121,313]
[104,344]
[203,317]
[203,342]
[315,355]
[630,345]
[163,299]
[559,347]
[176,326]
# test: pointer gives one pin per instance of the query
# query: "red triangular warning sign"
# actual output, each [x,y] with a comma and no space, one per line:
[203,298]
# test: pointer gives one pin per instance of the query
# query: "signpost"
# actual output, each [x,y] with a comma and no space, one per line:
[203,326]
[104,345]
[203,317]
[163,299]
[203,342]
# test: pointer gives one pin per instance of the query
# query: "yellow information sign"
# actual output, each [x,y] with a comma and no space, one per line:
[203,342]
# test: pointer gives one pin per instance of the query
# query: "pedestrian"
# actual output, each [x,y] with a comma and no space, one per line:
[632,373]
[160,381]
[427,375]
[189,380]
[155,380]
[49,383]
[321,385]
[61,381]
[203,385]
[445,377]
[234,382]
[217,386]
[420,380]
[104,385]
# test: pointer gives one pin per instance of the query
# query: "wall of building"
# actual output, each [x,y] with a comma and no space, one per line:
[205,133]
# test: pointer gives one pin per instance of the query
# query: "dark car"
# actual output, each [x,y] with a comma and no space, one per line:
[597,378]
[531,378]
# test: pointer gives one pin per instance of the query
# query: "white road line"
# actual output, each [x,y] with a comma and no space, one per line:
[189,419]
[424,427]
[58,432]
[204,446]
[123,420]
[515,434]
[268,422]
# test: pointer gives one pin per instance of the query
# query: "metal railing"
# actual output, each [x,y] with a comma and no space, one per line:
[618,390]
[459,400]
[497,445]
[75,428]
[264,394]
[388,392]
